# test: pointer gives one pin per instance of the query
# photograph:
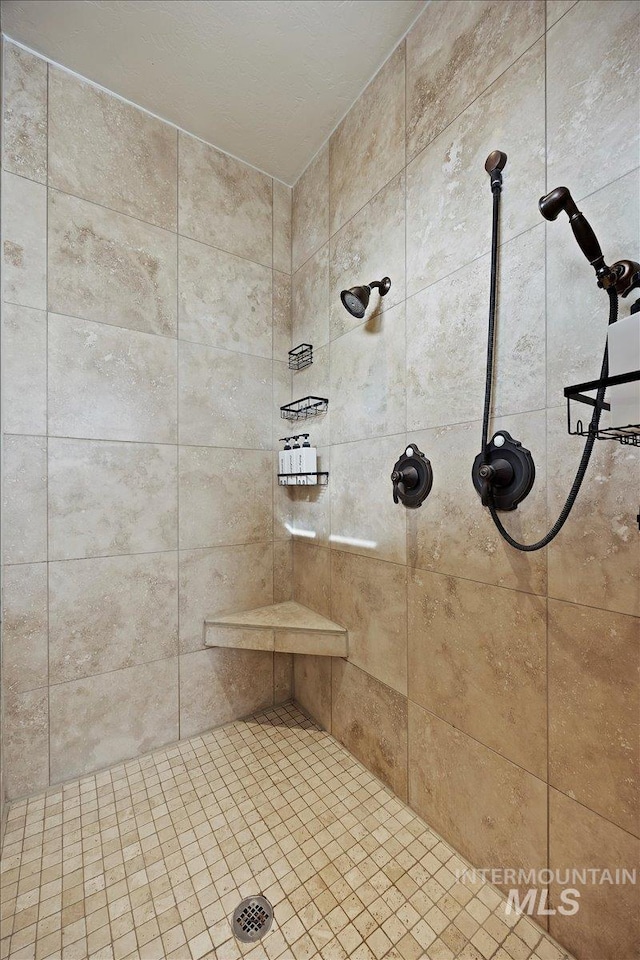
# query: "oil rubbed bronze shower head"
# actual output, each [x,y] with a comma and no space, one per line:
[356,299]
[624,275]
[494,165]
[496,160]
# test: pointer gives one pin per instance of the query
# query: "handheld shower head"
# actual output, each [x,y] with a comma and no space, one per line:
[555,202]
[624,275]
[494,165]
[560,199]
[356,299]
[497,160]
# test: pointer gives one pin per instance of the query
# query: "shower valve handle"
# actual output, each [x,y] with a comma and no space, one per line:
[498,473]
[412,477]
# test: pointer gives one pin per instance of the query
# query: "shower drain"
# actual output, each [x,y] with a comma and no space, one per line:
[252,919]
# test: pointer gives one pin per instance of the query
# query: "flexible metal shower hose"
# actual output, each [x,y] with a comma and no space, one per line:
[597,410]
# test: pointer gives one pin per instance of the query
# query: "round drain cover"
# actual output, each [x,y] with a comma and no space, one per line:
[252,919]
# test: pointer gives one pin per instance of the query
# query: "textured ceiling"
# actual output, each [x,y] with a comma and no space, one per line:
[265,80]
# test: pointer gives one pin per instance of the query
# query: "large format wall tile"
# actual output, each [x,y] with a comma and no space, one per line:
[577,310]
[219,685]
[107,383]
[101,720]
[369,598]
[219,581]
[453,533]
[111,612]
[111,498]
[368,149]
[595,558]
[477,659]
[447,336]
[448,192]
[25,662]
[312,576]
[367,387]
[492,811]
[608,33]
[453,56]
[281,334]
[225,398]
[594,710]
[370,719]
[110,267]
[364,518]
[282,201]
[24,147]
[25,743]
[310,303]
[24,514]
[312,687]
[106,150]
[607,923]
[213,485]
[310,212]
[24,369]
[24,242]
[369,247]
[224,202]
[224,300]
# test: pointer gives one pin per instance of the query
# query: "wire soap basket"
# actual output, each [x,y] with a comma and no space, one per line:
[629,434]
[301,356]
[304,409]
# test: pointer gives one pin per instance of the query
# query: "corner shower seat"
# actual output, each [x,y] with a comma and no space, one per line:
[286,627]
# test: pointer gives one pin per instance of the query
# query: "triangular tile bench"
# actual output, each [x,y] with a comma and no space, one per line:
[286,627]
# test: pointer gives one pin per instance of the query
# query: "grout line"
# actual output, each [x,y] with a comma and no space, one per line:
[130,666]
[147,553]
[563,14]
[177,363]
[142,443]
[46,325]
[546,454]
[148,333]
[406,415]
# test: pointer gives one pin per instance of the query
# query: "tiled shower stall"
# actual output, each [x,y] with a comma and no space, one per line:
[152,287]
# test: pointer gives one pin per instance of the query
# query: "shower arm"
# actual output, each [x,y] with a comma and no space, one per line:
[383,285]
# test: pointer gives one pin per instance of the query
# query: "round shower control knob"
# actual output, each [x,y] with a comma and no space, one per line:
[412,477]
[504,473]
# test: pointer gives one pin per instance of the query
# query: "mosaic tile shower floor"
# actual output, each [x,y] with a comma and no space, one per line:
[149,859]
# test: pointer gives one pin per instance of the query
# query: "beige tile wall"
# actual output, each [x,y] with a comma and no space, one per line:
[146,320]
[498,690]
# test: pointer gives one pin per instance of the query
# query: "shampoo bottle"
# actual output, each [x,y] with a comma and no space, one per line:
[295,462]
[284,462]
[309,460]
